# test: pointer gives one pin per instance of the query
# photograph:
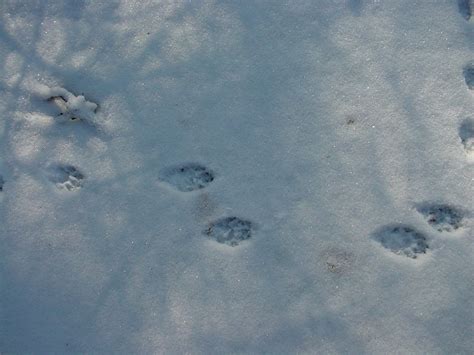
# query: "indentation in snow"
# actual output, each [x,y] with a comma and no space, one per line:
[338,261]
[442,217]
[468,72]
[66,176]
[230,230]
[402,240]
[465,8]
[188,177]
[466,133]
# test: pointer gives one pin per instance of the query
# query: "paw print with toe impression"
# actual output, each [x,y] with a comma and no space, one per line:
[187,177]
[230,230]
[402,240]
[66,177]
[442,217]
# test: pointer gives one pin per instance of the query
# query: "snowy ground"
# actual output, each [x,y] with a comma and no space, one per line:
[237,176]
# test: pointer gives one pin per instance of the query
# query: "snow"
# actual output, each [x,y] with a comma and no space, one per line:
[71,107]
[316,125]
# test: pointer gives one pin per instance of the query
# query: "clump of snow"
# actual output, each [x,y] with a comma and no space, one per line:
[71,107]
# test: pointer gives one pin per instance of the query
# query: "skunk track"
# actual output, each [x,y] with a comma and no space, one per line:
[66,176]
[188,177]
[230,230]
[442,217]
[402,240]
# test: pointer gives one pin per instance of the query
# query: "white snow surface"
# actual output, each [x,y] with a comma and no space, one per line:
[324,121]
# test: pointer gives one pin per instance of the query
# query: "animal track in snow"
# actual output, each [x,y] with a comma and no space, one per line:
[443,218]
[350,120]
[356,6]
[466,133]
[465,8]
[338,261]
[402,240]
[230,230]
[66,177]
[72,108]
[2,182]
[188,177]
[468,73]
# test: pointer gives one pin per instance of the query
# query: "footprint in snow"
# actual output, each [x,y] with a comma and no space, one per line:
[442,217]
[468,73]
[338,261]
[66,176]
[2,182]
[466,133]
[187,177]
[402,240]
[230,230]
[466,8]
